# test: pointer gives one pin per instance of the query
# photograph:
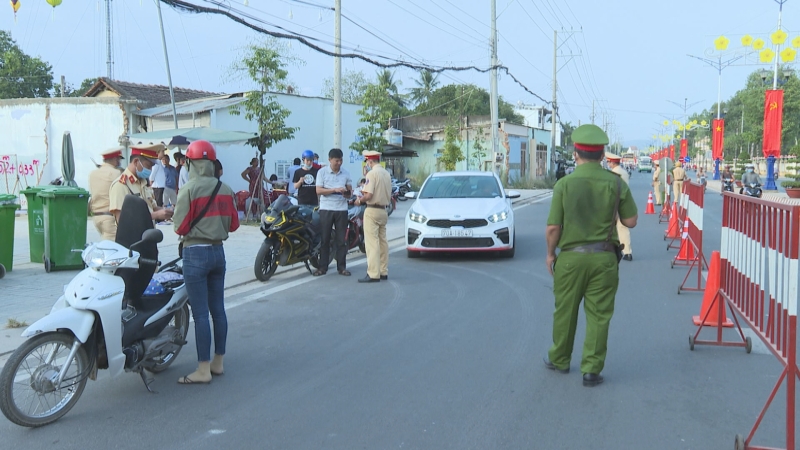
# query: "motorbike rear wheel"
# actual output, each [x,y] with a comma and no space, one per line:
[402,194]
[267,259]
[181,322]
[27,394]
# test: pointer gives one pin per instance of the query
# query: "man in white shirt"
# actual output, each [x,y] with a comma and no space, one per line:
[334,186]
[158,179]
[183,173]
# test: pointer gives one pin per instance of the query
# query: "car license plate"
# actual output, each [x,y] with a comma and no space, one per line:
[455,232]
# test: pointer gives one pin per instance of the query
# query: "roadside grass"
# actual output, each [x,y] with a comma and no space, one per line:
[539,183]
[14,323]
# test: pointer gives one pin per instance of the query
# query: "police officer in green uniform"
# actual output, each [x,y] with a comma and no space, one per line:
[582,224]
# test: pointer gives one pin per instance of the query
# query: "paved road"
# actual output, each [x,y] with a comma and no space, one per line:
[446,354]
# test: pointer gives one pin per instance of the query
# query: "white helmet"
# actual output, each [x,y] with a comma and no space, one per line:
[749,166]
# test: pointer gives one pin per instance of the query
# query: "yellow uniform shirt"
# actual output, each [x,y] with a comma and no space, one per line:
[379,184]
[622,173]
[126,184]
[679,174]
[100,181]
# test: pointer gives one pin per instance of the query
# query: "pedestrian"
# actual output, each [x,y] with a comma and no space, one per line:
[376,194]
[623,232]
[678,177]
[100,181]
[170,182]
[305,181]
[581,223]
[204,216]
[158,178]
[296,164]
[183,172]
[334,187]
[255,177]
[657,183]
[134,181]
[316,161]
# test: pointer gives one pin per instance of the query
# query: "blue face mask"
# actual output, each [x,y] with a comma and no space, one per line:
[749,170]
[144,173]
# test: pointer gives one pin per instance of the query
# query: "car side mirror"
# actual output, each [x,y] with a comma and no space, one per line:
[513,194]
[410,195]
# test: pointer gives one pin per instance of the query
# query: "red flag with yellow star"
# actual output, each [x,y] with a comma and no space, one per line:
[717,138]
[684,149]
[671,154]
[773,121]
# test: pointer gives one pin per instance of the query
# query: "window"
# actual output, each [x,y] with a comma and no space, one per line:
[282,169]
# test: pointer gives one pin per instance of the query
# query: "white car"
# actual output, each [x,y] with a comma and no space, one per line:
[461,212]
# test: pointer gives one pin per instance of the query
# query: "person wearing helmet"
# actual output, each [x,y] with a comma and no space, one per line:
[749,177]
[133,181]
[305,181]
[204,216]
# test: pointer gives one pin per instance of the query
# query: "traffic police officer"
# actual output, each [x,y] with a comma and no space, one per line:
[678,176]
[377,194]
[623,232]
[134,181]
[582,223]
[100,181]
[657,182]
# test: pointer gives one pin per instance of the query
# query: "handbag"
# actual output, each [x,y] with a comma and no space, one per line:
[200,215]
[617,247]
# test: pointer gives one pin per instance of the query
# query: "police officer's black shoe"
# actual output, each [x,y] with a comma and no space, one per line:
[552,366]
[384,277]
[367,279]
[592,379]
[628,257]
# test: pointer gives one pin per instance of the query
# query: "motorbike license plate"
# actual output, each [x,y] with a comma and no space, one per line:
[456,232]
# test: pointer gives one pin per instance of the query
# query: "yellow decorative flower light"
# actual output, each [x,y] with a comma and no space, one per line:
[788,54]
[766,55]
[694,122]
[655,137]
[779,37]
[666,123]
[747,40]
[680,127]
[703,123]
[796,42]
[676,122]
[721,43]
[758,44]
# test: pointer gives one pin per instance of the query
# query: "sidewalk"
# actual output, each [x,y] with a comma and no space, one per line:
[27,293]
[716,186]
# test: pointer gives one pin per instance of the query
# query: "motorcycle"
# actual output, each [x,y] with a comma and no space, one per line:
[752,190]
[292,236]
[117,314]
[403,188]
[393,203]
[727,184]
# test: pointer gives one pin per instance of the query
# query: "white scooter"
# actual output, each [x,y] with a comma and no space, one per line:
[111,316]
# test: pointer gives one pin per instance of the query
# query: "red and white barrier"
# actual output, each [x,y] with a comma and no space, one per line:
[759,281]
[693,200]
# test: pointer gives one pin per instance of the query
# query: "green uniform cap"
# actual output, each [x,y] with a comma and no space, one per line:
[589,135]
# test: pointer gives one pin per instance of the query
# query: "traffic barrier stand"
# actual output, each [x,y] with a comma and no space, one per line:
[713,306]
[686,253]
[692,245]
[665,209]
[675,233]
[759,283]
[650,209]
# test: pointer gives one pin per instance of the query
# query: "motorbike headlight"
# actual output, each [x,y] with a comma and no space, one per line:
[96,257]
[498,217]
[416,217]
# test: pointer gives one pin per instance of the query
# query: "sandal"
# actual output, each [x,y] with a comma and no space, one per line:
[344,272]
[187,380]
[319,272]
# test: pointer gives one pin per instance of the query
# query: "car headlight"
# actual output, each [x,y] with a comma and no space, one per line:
[498,217]
[416,217]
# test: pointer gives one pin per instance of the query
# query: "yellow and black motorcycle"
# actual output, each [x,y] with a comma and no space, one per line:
[291,237]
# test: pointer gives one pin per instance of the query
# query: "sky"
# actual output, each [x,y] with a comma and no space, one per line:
[627,57]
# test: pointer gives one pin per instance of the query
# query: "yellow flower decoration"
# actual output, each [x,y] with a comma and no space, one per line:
[680,127]
[694,122]
[676,123]
[721,43]
[758,44]
[796,42]
[703,123]
[779,37]
[747,40]
[788,54]
[666,123]
[655,137]
[766,55]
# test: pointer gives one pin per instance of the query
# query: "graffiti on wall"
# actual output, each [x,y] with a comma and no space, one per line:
[17,173]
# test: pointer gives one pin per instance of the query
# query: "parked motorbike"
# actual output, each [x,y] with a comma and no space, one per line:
[116,314]
[752,190]
[292,236]
[393,204]
[403,187]
[727,184]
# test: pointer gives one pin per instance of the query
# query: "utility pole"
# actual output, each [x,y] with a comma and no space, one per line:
[166,59]
[337,77]
[493,106]
[555,107]
[592,112]
[63,85]
[109,56]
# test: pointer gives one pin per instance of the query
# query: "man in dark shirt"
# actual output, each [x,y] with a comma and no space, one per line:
[305,181]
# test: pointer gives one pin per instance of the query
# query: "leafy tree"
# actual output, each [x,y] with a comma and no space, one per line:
[266,66]
[386,79]
[478,153]
[451,151]
[468,99]
[21,75]
[354,84]
[427,83]
[69,91]
[375,115]
[566,133]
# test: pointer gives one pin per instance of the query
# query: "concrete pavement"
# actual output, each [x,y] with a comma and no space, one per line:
[27,293]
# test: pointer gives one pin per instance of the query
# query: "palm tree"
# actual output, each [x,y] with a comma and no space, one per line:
[386,79]
[427,83]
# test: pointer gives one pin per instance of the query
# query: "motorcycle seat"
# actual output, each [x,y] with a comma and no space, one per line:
[162,282]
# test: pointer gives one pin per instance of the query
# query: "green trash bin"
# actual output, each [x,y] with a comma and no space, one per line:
[35,222]
[8,206]
[65,217]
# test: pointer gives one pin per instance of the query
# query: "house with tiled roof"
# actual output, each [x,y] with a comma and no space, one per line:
[147,95]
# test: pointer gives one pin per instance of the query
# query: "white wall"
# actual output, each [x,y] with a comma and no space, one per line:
[31,135]
[314,118]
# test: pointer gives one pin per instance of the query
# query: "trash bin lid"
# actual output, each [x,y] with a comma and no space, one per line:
[63,191]
[8,200]
[33,189]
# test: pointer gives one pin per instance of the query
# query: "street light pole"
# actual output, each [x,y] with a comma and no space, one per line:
[770,181]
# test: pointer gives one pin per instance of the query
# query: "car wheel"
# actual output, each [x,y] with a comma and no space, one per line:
[413,254]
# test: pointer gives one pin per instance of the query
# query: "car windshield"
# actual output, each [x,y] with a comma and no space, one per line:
[461,186]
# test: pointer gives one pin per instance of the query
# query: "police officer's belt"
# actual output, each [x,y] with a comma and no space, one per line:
[597,247]
[102,214]
[680,179]
[376,206]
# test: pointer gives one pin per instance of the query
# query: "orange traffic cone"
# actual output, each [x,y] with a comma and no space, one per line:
[712,298]
[650,209]
[686,252]
[673,230]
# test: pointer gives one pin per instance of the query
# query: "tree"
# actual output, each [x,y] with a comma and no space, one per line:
[375,114]
[354,83]
[266,66]
[451,151]
[467,99]
[478,153]
[69,91]
[427,83]
[21,75]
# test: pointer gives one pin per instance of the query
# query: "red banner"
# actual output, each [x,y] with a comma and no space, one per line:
[773,121]
[684,149]
[717,138]
[671,154]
